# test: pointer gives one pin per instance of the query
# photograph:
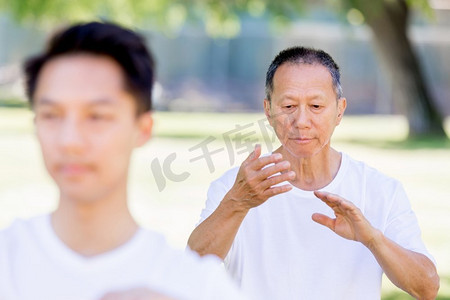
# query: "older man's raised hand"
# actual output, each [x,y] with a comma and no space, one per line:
[258,179]
[349,223]
[411,271]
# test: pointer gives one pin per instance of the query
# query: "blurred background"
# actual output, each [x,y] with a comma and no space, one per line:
[211,58]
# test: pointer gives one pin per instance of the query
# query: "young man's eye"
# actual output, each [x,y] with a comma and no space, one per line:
[99,117]
[47,115]
[95,117]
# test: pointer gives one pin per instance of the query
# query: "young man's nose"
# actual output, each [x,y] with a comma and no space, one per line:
[71,137]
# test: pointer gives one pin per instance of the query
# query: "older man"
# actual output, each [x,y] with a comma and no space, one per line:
[276,249]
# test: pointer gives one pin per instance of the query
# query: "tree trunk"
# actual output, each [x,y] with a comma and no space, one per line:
[389,21]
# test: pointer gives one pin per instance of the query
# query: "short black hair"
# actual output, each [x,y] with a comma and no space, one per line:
[304,55]
[124,46]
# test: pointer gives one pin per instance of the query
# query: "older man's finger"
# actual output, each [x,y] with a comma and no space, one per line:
[254,155]
[279,167]
[324,220]
[270,192]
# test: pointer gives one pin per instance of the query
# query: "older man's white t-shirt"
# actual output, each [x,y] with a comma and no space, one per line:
[36,265]
[280,253]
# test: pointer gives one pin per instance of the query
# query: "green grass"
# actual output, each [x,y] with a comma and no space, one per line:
[13,103]
[423,166]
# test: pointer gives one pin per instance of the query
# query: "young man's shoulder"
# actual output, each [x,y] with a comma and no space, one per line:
[19,231]
[147,258]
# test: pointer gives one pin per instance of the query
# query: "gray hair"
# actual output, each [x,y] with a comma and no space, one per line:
[303,55]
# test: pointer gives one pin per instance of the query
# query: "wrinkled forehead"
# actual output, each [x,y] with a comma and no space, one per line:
[307,63]
[308,74]
[301,71]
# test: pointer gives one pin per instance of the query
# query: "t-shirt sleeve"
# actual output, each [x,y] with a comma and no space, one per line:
[402,224]
[216,191]
[6,247]
[3,264]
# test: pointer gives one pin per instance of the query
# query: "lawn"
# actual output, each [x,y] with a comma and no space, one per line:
[171,204]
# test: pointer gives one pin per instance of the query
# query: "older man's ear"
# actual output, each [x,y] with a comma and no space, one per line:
[342,105]
[267,112]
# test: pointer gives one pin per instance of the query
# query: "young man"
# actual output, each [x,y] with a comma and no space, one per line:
[91,94]
[267,232]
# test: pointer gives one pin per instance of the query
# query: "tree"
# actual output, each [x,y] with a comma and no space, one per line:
[389,22]
[388,19]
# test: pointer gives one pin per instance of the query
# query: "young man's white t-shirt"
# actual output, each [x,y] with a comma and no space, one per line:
[280,253]
[36,265]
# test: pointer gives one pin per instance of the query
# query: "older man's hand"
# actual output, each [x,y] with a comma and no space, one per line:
[256,179]
[349,223]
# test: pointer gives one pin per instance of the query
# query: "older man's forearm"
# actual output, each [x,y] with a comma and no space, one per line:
[216,234]
[411,271]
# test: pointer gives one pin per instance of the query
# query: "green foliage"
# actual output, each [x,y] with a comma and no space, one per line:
[48,13]
[220,18]
[422,5]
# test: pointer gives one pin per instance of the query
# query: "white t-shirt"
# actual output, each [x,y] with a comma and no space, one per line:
[35,264]
[280,253]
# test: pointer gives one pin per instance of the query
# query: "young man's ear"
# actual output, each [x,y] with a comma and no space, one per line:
[267,110]
[145,127]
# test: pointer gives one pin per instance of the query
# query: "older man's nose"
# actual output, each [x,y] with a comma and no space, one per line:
[302,118]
